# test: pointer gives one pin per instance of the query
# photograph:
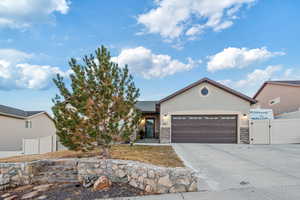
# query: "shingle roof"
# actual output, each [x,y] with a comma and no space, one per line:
[294,82]
[146,106]
[6,110]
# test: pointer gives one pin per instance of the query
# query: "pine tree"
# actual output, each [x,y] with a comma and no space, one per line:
[97,109]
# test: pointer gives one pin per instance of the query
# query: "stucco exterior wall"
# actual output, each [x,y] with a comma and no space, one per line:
[289,115]
[12,131]
[217,102]
[289,98]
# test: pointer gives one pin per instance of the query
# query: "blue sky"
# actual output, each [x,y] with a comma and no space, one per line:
[168,44]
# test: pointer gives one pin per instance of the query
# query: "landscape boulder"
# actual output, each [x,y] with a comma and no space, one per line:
[102,183]
[89,181]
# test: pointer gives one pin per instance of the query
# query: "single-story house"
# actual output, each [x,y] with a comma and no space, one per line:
[202,112]
[283,97]
[17,124]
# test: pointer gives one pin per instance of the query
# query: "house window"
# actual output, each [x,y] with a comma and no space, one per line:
[204,91]
[28,124]
[274,101]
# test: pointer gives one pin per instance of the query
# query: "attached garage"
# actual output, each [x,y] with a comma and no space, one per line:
[204,128]
[202,112]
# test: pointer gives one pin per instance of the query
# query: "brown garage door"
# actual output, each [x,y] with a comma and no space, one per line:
[204,128]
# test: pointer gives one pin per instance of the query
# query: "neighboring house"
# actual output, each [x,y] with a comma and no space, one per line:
[203,112]
[283,97]
[16,125]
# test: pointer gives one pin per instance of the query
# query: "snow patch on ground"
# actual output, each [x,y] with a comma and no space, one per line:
[4,154]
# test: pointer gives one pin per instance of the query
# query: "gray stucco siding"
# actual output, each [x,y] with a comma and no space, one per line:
[217,101]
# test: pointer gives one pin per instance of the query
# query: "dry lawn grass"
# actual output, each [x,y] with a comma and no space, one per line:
[157,155]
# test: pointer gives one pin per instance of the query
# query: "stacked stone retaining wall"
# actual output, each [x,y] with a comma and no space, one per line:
[151,178]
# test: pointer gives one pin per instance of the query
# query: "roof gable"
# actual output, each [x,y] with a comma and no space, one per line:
[214,83]
[292,83]
[14,112]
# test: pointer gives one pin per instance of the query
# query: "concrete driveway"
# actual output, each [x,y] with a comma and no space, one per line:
[232,167]
[4,154]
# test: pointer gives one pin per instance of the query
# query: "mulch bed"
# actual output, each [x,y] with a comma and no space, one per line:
[73,191]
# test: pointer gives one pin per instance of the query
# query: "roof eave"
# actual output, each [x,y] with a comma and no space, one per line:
[274,83]
[23,117]
[11,115]
[259,90]
[223,87]
[32,116]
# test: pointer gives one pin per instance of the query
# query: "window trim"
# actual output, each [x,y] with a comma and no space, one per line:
[28,124]
[275,101]
[208,91]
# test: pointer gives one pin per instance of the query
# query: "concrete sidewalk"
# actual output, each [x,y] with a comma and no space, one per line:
[272,193]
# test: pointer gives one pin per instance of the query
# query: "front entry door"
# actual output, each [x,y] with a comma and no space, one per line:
[150,127]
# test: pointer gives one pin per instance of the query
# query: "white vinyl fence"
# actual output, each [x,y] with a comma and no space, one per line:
[277,131]
[39,145]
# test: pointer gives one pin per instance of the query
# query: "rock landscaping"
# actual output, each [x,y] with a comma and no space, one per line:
[102,183]
[151,178]
[70,191]
[93,175]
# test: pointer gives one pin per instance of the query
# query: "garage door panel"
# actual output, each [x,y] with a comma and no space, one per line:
[200,125]
[202,121]
[204,128]
[203,134]
[204,140]
[203,137]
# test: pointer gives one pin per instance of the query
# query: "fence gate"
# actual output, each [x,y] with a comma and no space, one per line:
[285,131]
[39,145]
[260,132]
[30,146]
[277,131]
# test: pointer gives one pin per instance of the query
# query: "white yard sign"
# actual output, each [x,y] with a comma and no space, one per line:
[261,114]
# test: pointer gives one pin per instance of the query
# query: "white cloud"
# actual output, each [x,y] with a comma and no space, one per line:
[195,30]
[255,79]
[238,58]
[174,18]
[24,13]
[290,74]
[16,73]
[143,62]
[224,25]
[258,76]
[14,55]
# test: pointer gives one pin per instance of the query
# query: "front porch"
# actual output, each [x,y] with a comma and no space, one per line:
[149,130]
[147,141]
[150,123]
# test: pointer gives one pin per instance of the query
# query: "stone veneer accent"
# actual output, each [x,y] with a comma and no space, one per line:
[244,135]
[147,177]
[165,135]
